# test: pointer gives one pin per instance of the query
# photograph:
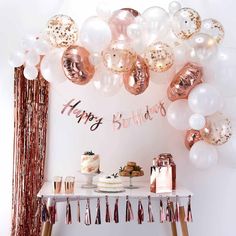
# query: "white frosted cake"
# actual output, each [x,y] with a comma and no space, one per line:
[90,163]
[110,183]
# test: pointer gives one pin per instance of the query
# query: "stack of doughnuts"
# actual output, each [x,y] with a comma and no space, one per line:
[131,169]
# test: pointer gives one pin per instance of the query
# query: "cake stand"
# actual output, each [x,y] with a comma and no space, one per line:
[131,186]
[89,179]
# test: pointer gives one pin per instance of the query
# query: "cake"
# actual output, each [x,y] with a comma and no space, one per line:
[90,163]
[110,183]
[131,169]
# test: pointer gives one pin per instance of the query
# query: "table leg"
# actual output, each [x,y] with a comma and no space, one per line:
[184,226]
[173,224]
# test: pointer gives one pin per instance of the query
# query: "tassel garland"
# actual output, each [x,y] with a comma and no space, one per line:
[189,217]
[169,211]
[129,212]
[162,211]
[108,215]
[116,211]
[78,211]
[98,213]
[177,209]
[87,218]
[150,215]
[140,212]
[68,213]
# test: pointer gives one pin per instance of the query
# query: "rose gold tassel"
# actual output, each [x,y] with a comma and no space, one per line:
[44,213]
[98,213]
[68,213]
[189,217]
[162,211]
[169,211]
[108,215]
[177,209]
[140,212]
[52,212]
[87,219]
[116,211]
[129,212]
[150,215]
[78,211]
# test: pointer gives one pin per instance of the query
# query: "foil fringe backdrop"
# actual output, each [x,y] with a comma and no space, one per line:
[30,130]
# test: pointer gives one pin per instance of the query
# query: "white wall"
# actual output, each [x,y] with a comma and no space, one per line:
[214,189]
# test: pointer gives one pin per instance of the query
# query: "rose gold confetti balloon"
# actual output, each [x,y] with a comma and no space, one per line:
[159,57]
[192,136]
[218,129]
[213,28]
[185,23]
[184,81]
[137,79]
[76,65]
[118,58]
[62,31]
[134,12]
[119,22]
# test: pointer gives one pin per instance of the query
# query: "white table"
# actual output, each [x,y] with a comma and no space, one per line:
[142,191]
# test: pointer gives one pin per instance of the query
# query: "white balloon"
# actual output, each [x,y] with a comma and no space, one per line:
[163,77]
[103,11]
[17,59]
[227,152]
[106,82]
[204,99]
[42,47]
[203,47]
[197,121]
[221,72]
[134,31]
[30,72]
[28,42]
[178,114]
[156,24]
[174,7]
[32,58]
[51,67]
[203,155]
[95,59]
[95,34]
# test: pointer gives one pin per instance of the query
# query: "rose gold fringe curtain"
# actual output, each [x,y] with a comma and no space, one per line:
[30,130]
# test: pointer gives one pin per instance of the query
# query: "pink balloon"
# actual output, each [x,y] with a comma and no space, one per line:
[119,22]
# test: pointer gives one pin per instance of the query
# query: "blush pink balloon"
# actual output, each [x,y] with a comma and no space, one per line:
[119,22]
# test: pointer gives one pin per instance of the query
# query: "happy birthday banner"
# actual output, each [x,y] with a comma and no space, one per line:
[74,108]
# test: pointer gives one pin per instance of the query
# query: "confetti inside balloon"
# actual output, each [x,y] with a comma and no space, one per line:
[62,31]
[76,65]
[184,81]
[136,81]
[159,57]
[192,136]
[118,58]
[218,129]
[185,23]
[213,28]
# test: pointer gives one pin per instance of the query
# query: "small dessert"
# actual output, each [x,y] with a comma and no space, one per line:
[110,183]
[131,170]
[90,163]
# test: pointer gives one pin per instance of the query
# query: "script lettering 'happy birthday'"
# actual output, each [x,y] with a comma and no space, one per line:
[119,120]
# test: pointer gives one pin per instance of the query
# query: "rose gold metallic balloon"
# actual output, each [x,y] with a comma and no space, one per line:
[119,22]
[184,81]
[134,12]
[76,65]
[218,129]
[137,79]
[118,58]
[192,136]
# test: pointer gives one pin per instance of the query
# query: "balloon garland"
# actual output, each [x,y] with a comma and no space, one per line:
[130,48]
